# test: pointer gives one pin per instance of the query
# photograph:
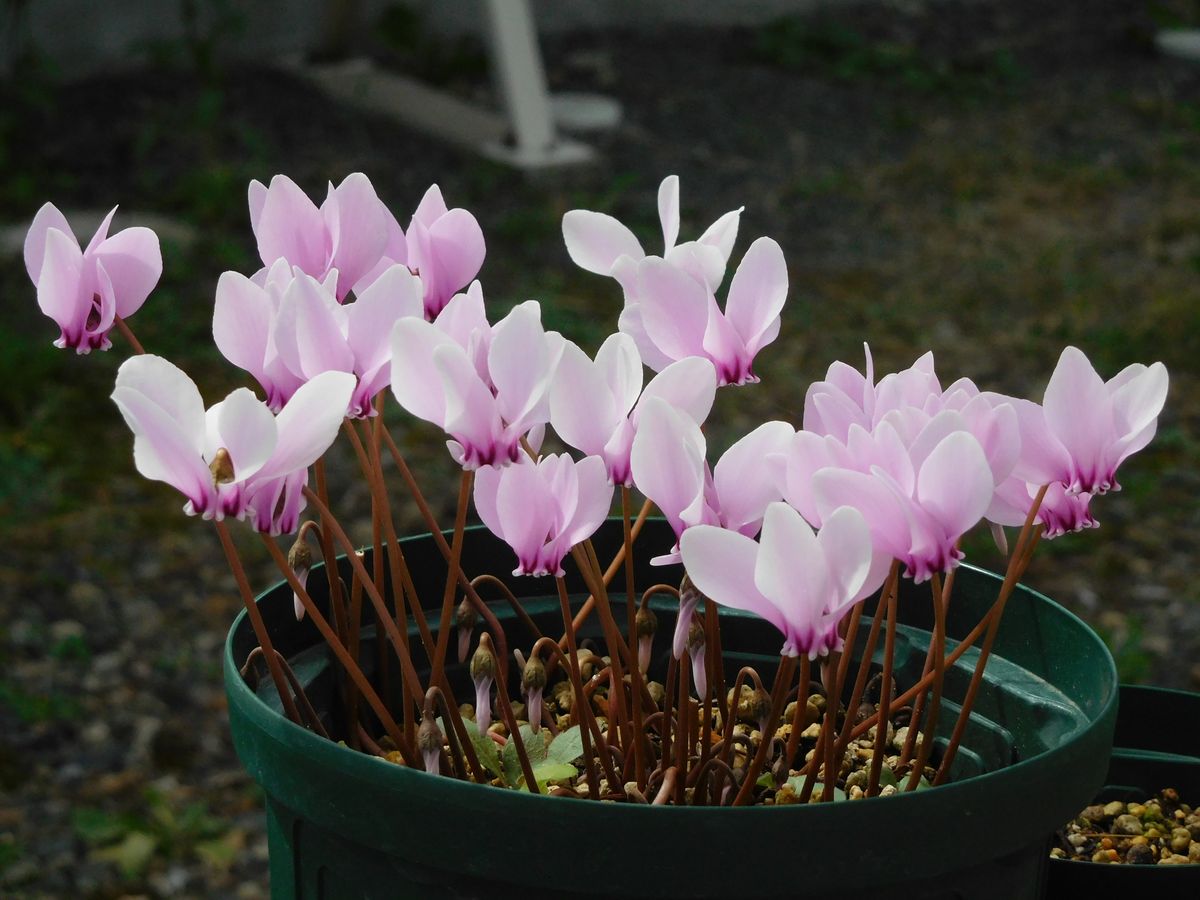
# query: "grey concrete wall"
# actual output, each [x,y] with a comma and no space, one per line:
[84,36]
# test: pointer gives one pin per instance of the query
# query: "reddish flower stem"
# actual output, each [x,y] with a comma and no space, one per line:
[885,696]
[783,678]
[256,622]
[127,333]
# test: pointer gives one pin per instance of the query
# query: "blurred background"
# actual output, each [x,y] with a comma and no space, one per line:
[989,180]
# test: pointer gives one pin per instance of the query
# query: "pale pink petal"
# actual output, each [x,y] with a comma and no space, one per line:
[1043,458]
[471,415]
[246,428]
[757,293]
[307,331]
[744,485]
[369,319]
[133,261]
[721,564]
[932,433]
[805,454]
[689,384]
[667,459]
[1139,396]
[674,309]
[630,323]
[890,523]
[456,242]
[415,382]
[722,234]
[520,364]
[256,198]
[620,365]
[668,210]
[790,569]
[486,486]
[702,262]
[309,422]
[162,451]
[359,229]
[169,388]
[955,483]
[431,208]
[290,226]
[846,544]
[525,510]
[595,241]
[1079,413]
[594,499]
[582,410]
[35,240]
[101,234]
[242,318]
[61,292]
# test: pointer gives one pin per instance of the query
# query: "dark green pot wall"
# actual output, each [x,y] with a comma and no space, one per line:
[344,824]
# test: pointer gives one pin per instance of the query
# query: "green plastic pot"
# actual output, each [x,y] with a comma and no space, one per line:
[345,824]
[1156,746]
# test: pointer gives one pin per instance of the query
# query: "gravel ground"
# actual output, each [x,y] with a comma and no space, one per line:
[990,183]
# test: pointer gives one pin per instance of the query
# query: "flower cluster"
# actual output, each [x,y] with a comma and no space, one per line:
[795,525]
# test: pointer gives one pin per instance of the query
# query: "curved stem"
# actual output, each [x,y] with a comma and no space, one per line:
[127,333]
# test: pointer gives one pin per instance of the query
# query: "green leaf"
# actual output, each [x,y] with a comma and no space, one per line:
[536,746]
[132,855]
[547,772]
[95,826]
[567,747]
[887,776]
[818,789]
[923,784]
[767,780]
[485,748]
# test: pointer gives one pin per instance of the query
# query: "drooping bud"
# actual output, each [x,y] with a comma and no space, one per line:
[689,597]
[645,623]
[483,673]
[533,680]
[300,561]
[465,618]
[221,467]
[695,649]
[429,743]
[760,709]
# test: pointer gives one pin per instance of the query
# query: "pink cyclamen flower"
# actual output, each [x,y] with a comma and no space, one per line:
[800,582]
[435,379]
[920,502]
[348,233]
[1060,512]
[237,458]
[85,290]
[594,406]
[543,509]
[668,465]
[293,328]
[445,247]
[599,243]
[671,314]
[1086,427]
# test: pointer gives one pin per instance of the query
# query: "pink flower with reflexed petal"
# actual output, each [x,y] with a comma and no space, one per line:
[85,290]
[349,233]
[1086,427]
[1060,513]
[290,331]
[237,458]
[435,379]
[599,243]
[543,509]
[671,314]
[668,465]
[921,503]
[445,247]
[800,582]
[594,406]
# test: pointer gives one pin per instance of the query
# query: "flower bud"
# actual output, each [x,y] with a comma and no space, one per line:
[689,598]
[300,561]
[221,467]
[483,673]
[429,742]
[645,624]
[695,649]
[533,680]
[465,619]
